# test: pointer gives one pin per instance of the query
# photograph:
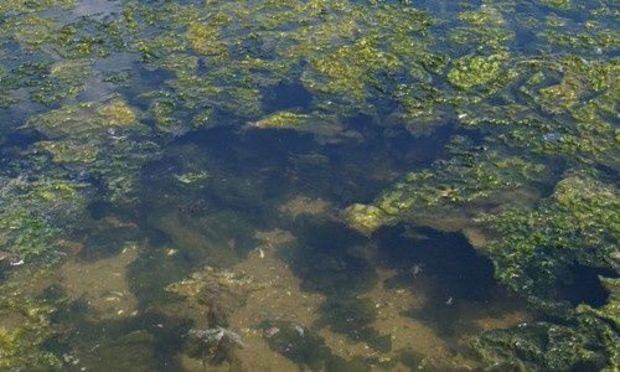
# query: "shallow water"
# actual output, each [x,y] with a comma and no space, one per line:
[180,182]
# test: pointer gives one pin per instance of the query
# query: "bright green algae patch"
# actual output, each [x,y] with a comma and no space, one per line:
[580,222]
[531,88]
[534,252]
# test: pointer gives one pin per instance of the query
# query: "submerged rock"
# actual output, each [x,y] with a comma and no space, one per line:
[217,335]
[220,292]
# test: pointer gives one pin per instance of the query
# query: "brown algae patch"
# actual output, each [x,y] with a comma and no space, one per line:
[102,284]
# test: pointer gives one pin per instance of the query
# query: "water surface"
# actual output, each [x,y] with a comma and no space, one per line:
[309,185]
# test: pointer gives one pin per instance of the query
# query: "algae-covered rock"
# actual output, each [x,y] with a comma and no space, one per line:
[589,344]
[17,351]
[117,113]
[585,339]
[84,119]
[219,292]
[534,252]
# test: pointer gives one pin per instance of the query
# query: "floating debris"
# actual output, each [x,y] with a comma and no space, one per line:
[416,270]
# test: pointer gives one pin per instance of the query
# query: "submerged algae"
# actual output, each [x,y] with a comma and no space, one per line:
[540,87]
[282,120]
[579,223]
[472,71]
[474,176]
[26,324]
[36,216]
[20,348]
[102,139]
[587,338]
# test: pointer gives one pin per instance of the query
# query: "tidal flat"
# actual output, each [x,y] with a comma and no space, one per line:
[309,185]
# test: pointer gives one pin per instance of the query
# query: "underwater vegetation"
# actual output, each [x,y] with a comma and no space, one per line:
[521,98]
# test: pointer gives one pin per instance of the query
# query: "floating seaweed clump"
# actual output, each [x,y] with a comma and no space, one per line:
[534,252]
[535,113]
[343,53]
[282,120]
[26,6]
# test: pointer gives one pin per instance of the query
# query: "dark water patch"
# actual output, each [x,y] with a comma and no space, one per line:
[353,317]
[306,348]
[250,169]
[448,258]
[411,359]
[582,285]
[447,267]
[151,340]
[20,140]
[108,242]
[327,265]
[100,209]
[286,96]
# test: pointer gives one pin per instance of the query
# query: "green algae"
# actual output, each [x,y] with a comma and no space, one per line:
[365,218]
[586,338]
[36,216]
[475,176]
[205,40]
[282,120]
[191,178]
[545,110]
[347,71]
[21,346]
[27,328]
[551,347]
[561,4]
[104,139]
[83,119]
[472,71]
[26,6]
[580,222]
